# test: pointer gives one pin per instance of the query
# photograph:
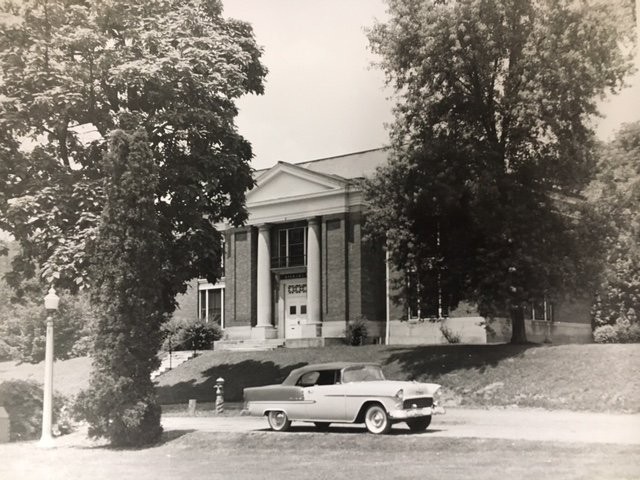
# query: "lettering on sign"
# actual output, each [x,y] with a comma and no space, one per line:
[297,288]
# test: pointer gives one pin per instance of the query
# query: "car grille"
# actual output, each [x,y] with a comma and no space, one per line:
[418,402]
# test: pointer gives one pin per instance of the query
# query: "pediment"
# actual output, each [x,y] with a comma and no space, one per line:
[286,180]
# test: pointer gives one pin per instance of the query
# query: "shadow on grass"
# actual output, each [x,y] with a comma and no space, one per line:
[423,362]
[237,376]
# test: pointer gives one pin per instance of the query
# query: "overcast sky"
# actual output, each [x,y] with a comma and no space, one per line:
[322,97]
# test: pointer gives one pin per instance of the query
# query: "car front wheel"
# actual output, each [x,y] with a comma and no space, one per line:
[278,421]
[419,424]
[376,420]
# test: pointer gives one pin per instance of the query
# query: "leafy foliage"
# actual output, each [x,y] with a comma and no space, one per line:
[356,333]
[172,67]
[23,326]
[182,334]
[615,195]
[120,403]
[491,143]
[23,402]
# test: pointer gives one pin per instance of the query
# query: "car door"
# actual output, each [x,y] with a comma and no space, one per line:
[325,399]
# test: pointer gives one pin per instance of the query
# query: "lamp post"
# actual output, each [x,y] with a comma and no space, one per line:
[51,301]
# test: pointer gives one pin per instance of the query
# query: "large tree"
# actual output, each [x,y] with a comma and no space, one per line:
[615,195]
[492,143]
[171,67]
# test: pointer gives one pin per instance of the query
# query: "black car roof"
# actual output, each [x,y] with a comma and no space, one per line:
[293,377]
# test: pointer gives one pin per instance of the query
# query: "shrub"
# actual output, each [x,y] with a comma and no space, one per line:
[23,402]
[356,333]
[605,334]
[623,331]
[449,335]
[180,334]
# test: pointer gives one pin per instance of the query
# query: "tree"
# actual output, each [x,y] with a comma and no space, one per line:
[172,67]
[120,403]
[615,194]
[491,143]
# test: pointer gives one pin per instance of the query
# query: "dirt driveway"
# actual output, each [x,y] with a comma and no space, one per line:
[510,424]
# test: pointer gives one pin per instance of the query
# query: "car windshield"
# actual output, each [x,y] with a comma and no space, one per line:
[364,373]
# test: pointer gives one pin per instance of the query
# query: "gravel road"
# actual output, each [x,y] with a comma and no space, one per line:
[511,424]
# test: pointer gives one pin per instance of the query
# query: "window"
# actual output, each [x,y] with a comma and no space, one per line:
[364,373]
[425,292]
[291,248]
[540,310]
[211,305]
[424,295]
[292,310]
[322,377]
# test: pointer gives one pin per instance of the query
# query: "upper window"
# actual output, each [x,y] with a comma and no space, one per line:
[291,248]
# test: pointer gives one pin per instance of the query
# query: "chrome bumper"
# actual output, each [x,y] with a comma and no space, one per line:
[416,412]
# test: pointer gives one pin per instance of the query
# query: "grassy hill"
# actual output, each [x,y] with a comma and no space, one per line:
[575,377]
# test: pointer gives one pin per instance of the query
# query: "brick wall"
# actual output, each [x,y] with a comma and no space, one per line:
[240,278]
[187,308]
[334,274]
[354,265]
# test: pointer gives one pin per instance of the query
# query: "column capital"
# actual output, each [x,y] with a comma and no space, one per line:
[313,221]
[263,227]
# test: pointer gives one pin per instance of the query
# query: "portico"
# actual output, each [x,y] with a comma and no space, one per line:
[287,270]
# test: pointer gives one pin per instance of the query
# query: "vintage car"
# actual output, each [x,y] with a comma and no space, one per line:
[344,393]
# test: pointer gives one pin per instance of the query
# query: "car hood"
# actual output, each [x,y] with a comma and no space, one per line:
[391,387]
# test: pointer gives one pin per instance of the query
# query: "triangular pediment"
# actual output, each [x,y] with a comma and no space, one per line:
[285,180]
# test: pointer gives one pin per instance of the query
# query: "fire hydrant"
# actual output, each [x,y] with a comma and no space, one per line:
[219,395]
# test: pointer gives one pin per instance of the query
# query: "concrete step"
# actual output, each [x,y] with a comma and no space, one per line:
[248,345]
[168,362]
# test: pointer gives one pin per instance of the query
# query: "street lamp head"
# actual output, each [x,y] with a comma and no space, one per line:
[51,300]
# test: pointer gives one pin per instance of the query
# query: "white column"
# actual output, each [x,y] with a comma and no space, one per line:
[264,277]
[314,283]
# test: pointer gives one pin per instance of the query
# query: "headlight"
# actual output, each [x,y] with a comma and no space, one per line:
[399,396]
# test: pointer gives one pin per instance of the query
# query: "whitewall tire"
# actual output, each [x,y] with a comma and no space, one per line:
[376,420]
[278,421]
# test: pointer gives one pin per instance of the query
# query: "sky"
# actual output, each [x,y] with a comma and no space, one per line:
[322,95]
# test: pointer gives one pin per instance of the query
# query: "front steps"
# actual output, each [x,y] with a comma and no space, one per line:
[169,362]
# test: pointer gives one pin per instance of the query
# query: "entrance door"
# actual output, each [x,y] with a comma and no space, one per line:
[295,308]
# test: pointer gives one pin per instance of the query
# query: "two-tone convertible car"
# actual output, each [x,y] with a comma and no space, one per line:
[344,393]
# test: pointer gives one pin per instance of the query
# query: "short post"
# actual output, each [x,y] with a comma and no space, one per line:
[219,395]
[191,409]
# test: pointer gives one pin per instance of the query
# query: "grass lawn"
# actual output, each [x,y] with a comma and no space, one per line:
[260,455]
[576,377]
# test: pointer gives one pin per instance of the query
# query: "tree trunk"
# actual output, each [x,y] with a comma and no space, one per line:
[518,332]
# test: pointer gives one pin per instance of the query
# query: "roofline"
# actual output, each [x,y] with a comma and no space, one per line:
[343,155]
[324,158]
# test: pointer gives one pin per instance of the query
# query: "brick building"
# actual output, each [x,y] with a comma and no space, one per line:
[300,269]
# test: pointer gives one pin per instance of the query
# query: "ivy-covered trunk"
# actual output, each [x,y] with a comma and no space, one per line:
[518,331]
[121,403]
